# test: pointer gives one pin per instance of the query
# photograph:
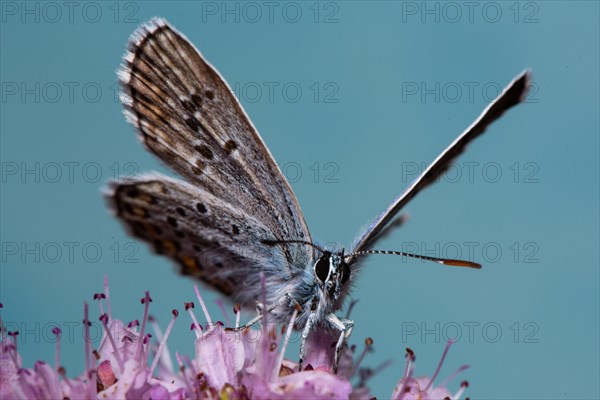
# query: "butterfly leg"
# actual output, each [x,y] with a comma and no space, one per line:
[345,327]
[310,323]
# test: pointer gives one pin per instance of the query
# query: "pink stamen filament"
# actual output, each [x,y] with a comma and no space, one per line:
[460,391]
[57,332]
[2,333]
[146,348]
[138,351]
[160,337]
[185,377]
[13,355]
[409,360]
[197,328]
[86,329]
[89,362]
[454,374]
[360,358]
[381,367]
[195,372]
[439,367]
[238,314]
[163,342]
[91,387]
[15,352]
[106,293]
[65,379]
[100,307]
[189,365]
[286,340]
[204,310]
[104,319]
[408,372]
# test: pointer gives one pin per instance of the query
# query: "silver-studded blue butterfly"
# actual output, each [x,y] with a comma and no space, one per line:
[234,220]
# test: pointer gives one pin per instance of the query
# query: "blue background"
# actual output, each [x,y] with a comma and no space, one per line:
[534,307]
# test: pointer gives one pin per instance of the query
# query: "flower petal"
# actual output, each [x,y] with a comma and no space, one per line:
[220,355]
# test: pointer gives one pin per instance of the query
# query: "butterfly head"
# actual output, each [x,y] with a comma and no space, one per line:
[331,273]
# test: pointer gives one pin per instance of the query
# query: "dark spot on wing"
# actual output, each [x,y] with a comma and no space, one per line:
[201,208]
[197,99]
[209,94]
[219,265]
[172,221]
[180,234]
[158,247]
[137,228]
[133,192]
[197,170]
[205,151]
[192,124]
[235,230]
[196,248]
[230,146]
[127,207]
[189,106]
[180,211]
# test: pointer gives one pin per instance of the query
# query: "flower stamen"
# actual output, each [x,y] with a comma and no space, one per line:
[368,347]
[439,367]
[104,319]
[286,340]
[107,297]
[57,332]
[195,325]
[463,386]
[186,379]
[204,310]
[163,342]
[146,302]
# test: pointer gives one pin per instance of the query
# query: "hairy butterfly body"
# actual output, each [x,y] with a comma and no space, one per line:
[234,218]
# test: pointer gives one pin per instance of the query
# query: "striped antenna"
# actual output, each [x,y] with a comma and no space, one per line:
[443,261]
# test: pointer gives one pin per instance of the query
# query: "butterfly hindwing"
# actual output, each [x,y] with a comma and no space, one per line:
[209,238]
[188,116]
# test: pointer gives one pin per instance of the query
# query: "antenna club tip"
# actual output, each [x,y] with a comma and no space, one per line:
[461,263]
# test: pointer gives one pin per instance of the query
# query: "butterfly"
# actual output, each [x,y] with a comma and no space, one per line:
[234,222]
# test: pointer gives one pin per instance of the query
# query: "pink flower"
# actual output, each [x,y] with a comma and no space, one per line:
[229,363]
[409,388]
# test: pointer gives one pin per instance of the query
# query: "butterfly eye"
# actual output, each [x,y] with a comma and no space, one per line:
[345,273]
[322,268]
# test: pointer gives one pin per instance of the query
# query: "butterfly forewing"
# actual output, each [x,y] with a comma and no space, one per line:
[189,117]
[512,95]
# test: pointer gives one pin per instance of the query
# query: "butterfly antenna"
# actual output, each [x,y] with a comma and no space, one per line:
[444,261]
[276,242]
